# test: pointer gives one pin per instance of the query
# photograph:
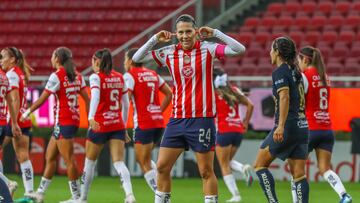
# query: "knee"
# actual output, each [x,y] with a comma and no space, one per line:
[297,172]
[206,173]
[163,169]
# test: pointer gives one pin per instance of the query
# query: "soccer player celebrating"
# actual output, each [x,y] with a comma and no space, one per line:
[144,85]
[230,129]
[321,137]
[65,84]
[18,72]
[190,63]
[6,98]
[107,117]
[289,137]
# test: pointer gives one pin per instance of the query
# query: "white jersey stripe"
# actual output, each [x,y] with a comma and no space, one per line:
[193,97]
[203,57]
[181,66]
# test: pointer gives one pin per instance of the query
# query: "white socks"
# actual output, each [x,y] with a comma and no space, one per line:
[211,199]
[44,185]
[162,197]
[237,166]
[153,165]
[87,177]
[231,184]
[124,174]
[27,176]
[75,189]
[150,178]
[4,178]
[293,190]
[335,182]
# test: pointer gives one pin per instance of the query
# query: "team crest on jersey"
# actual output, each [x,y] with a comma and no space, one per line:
[187,71]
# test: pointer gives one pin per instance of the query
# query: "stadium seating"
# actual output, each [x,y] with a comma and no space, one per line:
[332,25]
[39,26]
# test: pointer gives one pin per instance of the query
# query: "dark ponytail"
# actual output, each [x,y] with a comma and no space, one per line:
[105,60]
[316,60]
[64,55]
[287,52]
[130,54]
[20,61]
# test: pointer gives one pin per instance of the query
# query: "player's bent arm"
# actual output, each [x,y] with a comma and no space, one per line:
[284,102]
[143,54]
[85,96]
[43,97]
[125,107]
[233,47]
[94,102]
[168,96]
[249,108]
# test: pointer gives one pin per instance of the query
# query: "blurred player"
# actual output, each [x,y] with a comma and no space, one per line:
[190,63]
[230,130]
[7,99]
[144,85]
[65,84]
[18,72]
[321,137]
[5,195]
[289,137]
[107,117]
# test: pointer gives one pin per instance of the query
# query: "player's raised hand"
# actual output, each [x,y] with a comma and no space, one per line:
[164,36]
[94,125]
[278,135]
[206,32]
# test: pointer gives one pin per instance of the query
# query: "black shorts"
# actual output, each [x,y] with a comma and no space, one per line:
[147,136]
[294,144]
[65,131]
[230,138]
[103,137]
[321,139]
[24,131]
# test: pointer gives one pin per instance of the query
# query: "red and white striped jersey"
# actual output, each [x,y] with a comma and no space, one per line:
[191,71]
[16,79]
[4,89]
[317,100]
[144,85]
[66,108]
[108,112]
[228,117]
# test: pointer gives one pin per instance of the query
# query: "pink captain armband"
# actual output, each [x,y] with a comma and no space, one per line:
[220,51]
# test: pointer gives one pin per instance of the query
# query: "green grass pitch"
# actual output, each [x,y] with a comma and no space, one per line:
[108,190]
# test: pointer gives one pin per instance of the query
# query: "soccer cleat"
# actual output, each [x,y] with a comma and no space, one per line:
[346,198]
[130,199]
[37,197]
[247,173]
[12,187]
[234,199]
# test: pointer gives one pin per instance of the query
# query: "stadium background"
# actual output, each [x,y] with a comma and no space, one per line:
[39,26]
